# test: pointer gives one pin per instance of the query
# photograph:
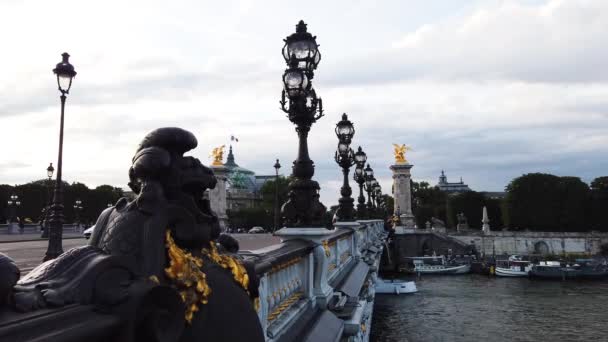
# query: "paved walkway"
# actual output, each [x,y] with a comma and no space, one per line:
[34,237]
[29,254]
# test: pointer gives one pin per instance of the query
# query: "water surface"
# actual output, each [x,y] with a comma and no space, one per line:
[480,308]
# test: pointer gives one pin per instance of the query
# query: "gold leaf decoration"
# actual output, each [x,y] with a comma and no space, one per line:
[185,272]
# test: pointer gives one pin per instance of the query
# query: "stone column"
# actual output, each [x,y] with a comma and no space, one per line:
[402,193]
[485,228]
[217,195]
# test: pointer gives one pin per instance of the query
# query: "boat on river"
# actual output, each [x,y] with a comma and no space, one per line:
[395,286]
[513,267]
[583,268]
[438,265]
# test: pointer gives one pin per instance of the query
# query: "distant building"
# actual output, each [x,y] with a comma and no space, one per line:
[243,186]
[445,186]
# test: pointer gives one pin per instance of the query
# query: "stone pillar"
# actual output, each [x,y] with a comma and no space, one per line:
[402,193]
[485,228]
[217,195]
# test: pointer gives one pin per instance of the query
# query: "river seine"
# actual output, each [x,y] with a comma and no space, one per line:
[480,308]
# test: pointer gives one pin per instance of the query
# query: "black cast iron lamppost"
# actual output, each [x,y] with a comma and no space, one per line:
[303,108]
[359,177]
[77,210]
[13,203]
[45,227]
[65,73]
[276,166]
[368,175]
[345,158]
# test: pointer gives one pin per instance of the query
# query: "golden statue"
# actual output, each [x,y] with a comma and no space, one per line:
[218,155]
[400,153]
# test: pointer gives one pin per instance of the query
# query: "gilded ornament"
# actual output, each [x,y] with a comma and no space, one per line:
[185,272]
[326,248]
[218,155]
[400,153]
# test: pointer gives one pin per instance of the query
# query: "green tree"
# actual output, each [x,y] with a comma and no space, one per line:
[470,203]
[598,204]
[533,202]
[575,198]
[268,192]
[427,202]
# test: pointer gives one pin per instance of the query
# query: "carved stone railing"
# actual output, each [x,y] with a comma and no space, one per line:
[320,289]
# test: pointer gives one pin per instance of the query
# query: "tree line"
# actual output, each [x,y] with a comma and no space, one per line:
[35,195]
[534,201]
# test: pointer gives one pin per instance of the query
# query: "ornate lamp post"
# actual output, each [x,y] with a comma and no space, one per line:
[13,203]
[77,210]
[276,166]
[65,73]
[303,108]
[45,227]
[345,158]
[373,194]
[359,177]
[368,175]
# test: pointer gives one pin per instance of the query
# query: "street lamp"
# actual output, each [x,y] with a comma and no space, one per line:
[276,166]
[303,108]
[13,203]
[49,173]
[359,177]
[65,73]
[368,175]
[345,158]
[77,209]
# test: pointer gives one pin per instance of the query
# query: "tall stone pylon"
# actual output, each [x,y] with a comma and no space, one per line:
[217,195]
[402,191]
[485,221]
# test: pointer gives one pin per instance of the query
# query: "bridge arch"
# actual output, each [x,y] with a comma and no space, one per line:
[541,247]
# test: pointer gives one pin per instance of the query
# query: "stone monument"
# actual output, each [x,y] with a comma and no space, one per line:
[217,195]
[485,221]
[401,186]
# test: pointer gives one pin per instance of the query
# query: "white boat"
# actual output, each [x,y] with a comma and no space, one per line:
[395,286]
[438,265]
[514,267]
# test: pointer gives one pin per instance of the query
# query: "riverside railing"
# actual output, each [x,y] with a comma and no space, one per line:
[320,289]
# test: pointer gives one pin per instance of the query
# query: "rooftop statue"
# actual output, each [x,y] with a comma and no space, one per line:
[153,261]
[218,156]
[400,153]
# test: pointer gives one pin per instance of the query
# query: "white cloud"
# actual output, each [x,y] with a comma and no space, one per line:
[487,91]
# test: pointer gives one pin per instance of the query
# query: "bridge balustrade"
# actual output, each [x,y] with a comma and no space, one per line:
[299,279]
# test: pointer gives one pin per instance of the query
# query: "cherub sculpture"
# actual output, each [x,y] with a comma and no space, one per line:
[218,155]
[400,153]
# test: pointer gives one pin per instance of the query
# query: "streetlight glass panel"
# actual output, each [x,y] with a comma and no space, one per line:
[359,172]
[342,148]
[64,82]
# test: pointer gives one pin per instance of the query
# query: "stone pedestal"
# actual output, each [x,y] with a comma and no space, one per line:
[217,195]
[402,193]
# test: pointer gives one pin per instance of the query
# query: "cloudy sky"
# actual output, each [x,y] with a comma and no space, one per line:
[487,90]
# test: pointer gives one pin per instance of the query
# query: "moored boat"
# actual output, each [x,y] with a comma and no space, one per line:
[513,267]
[395,286]
[438,265]
[554,270]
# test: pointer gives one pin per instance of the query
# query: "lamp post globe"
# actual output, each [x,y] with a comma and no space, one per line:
[302,106]
[345,158]
[301,47]
[65,73]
